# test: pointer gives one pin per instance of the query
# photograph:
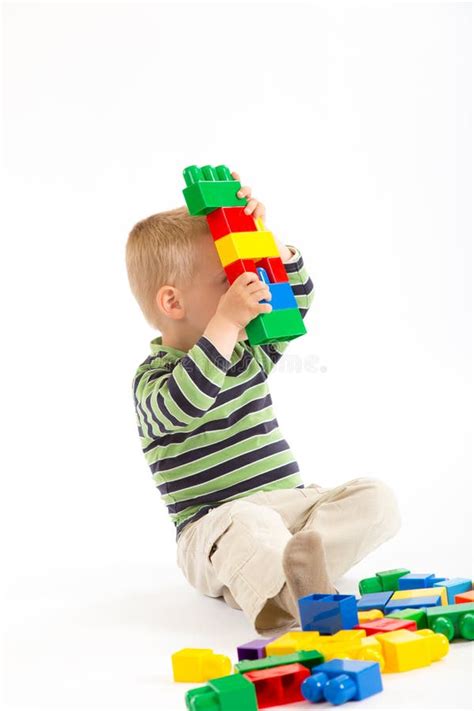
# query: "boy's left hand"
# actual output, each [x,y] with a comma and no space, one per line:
[257,209]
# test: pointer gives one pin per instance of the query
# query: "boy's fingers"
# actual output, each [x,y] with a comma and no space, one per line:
[259,211]
[245,191]
[235,175]
[250,206]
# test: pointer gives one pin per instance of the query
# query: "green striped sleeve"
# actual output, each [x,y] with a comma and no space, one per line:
[172,401]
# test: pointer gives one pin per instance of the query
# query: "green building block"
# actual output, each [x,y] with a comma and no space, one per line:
[370,585]
[452,620]
[308,659]
[411,613]
[277,325]
[227,693]
[389,578]
[385,581]
[208,188]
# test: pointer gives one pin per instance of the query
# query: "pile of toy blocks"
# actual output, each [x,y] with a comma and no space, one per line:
[244,245]
[401,621]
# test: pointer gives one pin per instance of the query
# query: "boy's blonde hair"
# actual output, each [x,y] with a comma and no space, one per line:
[161,249]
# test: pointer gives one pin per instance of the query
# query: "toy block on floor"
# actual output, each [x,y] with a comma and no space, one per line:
[228,693]
[368,615]
[421,592]
[383,581]
[279,325]
[453,587]
[194,665]
[404,650]
[342,680]
[369,650]
[345,643]
[209,188]
[293,642]
[278,685]
[413,581]
[344,636]
[308,659]
[225,220]
[453,621]
[464,597]
[256,649]
[373,601]
[415,602]
[386,624]
[418,616]
[327,614]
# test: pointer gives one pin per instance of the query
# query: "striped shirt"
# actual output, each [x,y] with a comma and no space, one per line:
[206,424]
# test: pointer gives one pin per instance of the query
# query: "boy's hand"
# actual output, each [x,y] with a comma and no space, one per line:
[253,207]
[257,209]
[240,303]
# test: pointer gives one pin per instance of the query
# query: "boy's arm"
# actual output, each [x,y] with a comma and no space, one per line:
[167,402]
[302,285]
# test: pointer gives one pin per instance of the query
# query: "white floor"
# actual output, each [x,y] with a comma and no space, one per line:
[102,639]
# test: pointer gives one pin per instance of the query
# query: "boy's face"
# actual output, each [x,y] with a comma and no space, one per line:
[202,296]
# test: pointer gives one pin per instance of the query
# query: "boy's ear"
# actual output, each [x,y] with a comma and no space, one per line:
[169,302]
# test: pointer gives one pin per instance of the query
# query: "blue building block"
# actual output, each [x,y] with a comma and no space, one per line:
[328,614]
[413,581]
[281,291]
[342,680]
[416,602]
[374,601]
[454,586]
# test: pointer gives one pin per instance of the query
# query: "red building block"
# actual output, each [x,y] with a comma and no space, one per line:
[278,685]
[467,596]
[274,268]
[225,220]
[235,269]
[386,624]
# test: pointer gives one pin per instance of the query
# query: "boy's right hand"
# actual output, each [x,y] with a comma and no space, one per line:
[240,304]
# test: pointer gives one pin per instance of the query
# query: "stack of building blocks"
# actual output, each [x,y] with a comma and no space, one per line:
[244,245]
[344,649]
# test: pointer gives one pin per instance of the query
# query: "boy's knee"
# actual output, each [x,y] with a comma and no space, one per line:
[255,517]
[381,505]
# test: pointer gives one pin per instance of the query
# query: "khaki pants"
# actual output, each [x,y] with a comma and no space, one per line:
[235,550]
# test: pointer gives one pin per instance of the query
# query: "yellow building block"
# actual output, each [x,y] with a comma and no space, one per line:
[294,642]
[195,665]
[421,592]
[345,636]
[404,650]
[369,615]
[370,650]
[246,245]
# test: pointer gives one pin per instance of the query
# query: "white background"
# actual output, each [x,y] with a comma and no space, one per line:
[353,124]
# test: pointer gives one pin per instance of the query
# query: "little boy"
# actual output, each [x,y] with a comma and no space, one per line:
[247,527]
